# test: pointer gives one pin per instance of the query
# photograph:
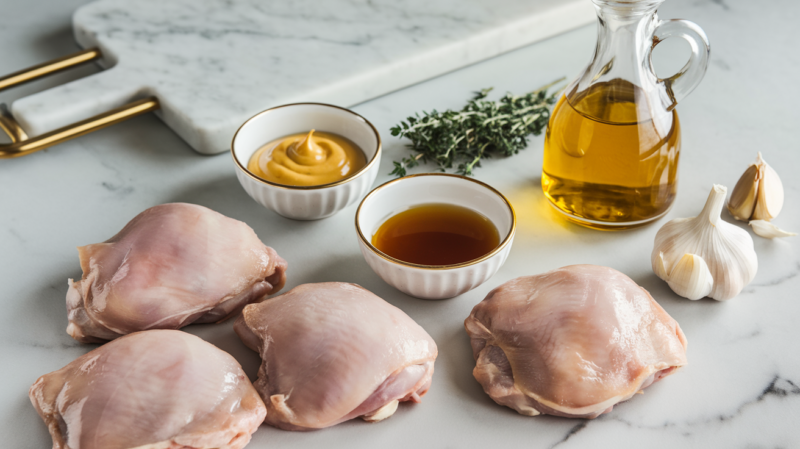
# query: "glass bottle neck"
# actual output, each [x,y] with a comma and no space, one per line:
[619,72]
[624,39]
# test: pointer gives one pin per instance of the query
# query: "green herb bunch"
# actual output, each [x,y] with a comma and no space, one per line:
[481,130]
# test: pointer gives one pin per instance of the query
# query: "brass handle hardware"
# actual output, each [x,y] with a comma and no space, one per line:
[49,68]
[26,146]
[22,145]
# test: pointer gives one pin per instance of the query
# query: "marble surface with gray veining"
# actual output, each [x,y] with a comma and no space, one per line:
[214,63]
[741,388]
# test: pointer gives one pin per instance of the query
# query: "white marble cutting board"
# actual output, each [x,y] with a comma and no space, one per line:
[214,63]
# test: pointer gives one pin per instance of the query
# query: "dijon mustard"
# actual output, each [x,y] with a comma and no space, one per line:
[307,159]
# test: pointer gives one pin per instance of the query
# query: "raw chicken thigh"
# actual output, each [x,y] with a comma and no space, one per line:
[571,342]
[172,265]
[159,389]
[332,352]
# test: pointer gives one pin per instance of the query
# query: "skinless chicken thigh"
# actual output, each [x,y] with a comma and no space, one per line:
[159,389]
[571,342]
[172,265]
[333,352]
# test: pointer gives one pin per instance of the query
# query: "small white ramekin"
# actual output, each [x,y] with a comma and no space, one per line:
[306,202]
[434,281]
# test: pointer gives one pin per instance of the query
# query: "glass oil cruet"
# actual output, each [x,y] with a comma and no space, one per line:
[613,141]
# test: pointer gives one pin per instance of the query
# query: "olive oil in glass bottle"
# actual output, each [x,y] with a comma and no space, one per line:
[613,141]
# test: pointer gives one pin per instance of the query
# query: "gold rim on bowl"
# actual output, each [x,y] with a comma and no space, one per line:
[315,187]
[486,256]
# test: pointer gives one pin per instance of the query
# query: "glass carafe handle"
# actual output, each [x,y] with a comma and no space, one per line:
[681,84]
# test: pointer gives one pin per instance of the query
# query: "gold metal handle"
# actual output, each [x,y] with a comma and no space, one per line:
[22,145]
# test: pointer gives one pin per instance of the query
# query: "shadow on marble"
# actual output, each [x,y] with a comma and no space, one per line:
[21,416]
[55,42]
[143,139]
[47,44]
[670,301]
[455,351]
[347,268]
[43,310]
[225,195]
[658,288]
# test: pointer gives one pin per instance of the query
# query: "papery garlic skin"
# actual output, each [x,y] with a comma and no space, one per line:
[768,230]
[726,249]
[758,194]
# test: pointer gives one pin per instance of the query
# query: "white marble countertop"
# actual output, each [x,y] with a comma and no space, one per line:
[741,388]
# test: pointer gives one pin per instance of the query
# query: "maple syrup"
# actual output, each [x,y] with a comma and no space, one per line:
[437,234]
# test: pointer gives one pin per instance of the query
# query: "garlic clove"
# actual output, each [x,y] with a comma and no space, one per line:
[726,249]
[660,267]
[769,199]
[758,194]
[691,277]
[743,198]
[768,230]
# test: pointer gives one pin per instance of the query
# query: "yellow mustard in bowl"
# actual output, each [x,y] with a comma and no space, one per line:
[310,159]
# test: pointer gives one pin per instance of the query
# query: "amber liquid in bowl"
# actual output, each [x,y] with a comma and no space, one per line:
[437,234]
[608,162]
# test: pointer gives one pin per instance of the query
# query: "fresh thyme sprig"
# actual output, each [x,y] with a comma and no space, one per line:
[480,130]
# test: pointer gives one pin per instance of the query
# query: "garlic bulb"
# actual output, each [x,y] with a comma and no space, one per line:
[759,193]
[768,230]
[689,251]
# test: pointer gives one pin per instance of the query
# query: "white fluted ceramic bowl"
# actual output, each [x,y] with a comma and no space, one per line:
[434,281]
[306,202]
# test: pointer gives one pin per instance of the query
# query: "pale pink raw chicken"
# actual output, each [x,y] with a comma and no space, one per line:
[159,389]
[172,265]
[571,342]
[333,352]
